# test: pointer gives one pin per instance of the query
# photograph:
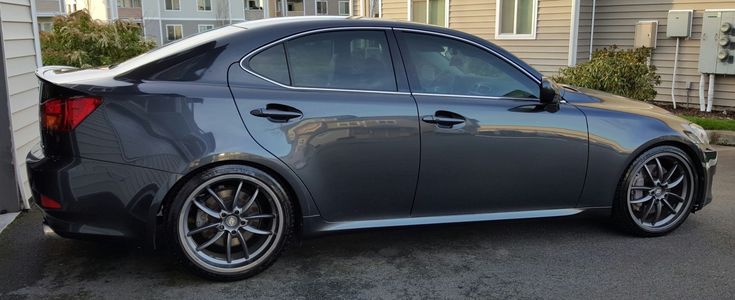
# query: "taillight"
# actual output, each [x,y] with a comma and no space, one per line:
[63,115]
[48,202]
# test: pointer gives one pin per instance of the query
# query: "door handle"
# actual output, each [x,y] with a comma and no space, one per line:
[277,113]
[444,119]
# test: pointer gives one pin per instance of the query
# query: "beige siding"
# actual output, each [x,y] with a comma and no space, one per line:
[395,9]
[614,25]
[547,53]
[20,63]
[584,28]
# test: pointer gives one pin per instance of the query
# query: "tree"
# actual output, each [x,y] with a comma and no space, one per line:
[77,40]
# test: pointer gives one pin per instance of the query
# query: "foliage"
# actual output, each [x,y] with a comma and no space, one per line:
[712,123]
[77,40]
[624,72]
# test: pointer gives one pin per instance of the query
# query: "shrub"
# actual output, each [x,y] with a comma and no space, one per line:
[77,40]
[624,72]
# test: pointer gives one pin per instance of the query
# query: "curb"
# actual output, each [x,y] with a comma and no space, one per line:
[721,137]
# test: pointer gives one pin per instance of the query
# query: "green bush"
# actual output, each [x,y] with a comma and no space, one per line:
[623,72]
[77,40]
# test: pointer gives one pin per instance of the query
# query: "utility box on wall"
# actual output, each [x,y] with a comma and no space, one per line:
[679,23]
[718,42]
[645,34]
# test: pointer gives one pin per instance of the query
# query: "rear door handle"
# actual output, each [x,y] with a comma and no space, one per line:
[277,113]
[444,119]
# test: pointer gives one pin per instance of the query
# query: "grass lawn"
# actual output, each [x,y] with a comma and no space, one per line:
[712,123]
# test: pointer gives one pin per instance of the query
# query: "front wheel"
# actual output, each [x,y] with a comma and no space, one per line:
[230,222]
[656,194]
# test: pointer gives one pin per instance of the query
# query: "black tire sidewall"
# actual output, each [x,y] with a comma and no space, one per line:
[171,213]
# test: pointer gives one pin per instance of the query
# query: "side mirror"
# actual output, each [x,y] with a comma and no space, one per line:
[549,92]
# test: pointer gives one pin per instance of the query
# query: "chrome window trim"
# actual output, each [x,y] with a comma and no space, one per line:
[478,97]
[290,87]
[266,46]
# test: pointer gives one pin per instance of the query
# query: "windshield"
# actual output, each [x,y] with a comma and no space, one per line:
[173,47]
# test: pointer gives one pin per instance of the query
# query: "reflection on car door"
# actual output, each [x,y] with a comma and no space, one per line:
[487,144]
[338,120]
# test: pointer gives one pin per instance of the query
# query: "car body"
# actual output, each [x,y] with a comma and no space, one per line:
[360,151]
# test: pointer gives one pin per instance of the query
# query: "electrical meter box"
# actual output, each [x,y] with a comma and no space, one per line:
[718,42]
[645,34]
[679,23]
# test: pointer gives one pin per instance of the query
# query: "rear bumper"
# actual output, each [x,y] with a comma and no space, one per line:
[709,169]
[99,200]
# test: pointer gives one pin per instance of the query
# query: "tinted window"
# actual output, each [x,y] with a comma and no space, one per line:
[342,59]
[447,66]
[271,63]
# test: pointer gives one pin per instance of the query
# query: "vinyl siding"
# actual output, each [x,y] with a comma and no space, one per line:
[20,63]
[615,25]
[547,53]
[395,10]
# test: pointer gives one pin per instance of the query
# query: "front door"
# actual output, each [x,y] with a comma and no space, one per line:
[334,114]
[487,144]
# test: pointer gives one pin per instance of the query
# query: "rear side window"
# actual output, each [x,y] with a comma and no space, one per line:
[271,63]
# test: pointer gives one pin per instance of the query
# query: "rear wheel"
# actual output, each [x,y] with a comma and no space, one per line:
[656,195]
[230,222]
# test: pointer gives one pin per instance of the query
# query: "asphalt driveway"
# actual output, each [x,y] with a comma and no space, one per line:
[578,257]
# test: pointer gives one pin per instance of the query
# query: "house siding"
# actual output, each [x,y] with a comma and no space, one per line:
[394,10]
[615,25]
[20,63]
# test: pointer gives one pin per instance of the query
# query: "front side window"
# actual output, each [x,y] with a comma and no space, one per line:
[429,12]
[516,19]
[174,32]
[173,5]
[321,7]
[342,60]
[441,65]
[344,8]
[204,5]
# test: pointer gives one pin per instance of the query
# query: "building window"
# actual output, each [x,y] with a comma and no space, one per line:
[429,11]
[254,5]
[205,27]
[344,8]
[174,32]
[295,5]
[321,7]
[128,3]
[204,5]
[516,19]
[46,26]
[173,5]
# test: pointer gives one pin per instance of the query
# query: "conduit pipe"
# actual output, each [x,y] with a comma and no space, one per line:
[673,76]
[701,92]
[710,92]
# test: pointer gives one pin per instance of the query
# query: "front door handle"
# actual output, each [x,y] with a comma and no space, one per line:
[444,119]
[277,113]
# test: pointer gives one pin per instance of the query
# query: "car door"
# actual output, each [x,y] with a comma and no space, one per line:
[329,105]
[487,143]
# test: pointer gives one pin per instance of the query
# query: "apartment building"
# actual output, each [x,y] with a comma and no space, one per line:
[259,9]
[169,20]
[46,10]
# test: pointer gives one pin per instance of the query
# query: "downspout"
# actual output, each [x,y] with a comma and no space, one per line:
[592,28]
[573,33]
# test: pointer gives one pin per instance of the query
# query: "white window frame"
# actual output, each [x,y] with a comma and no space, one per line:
[515,36]
[200,26]
[172,5]
[339,7]
[262,4]
[316,7]
[174,25]
[49,25]
[410,11]
[211,5]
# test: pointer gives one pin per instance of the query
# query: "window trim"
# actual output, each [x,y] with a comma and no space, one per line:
[262,2]
[244,61]
[246,58]
[410,11]
[173,26]
[172,5]
[339,12]
[211,6]
[516,36]
[316,7]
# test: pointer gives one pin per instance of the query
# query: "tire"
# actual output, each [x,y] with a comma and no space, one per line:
[655,195]
[223,238]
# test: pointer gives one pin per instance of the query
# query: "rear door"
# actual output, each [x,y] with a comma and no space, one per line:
[487,143]
[329,105]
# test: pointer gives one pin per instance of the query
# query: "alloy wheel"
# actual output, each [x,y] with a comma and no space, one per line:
[230,223]
[660,192]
